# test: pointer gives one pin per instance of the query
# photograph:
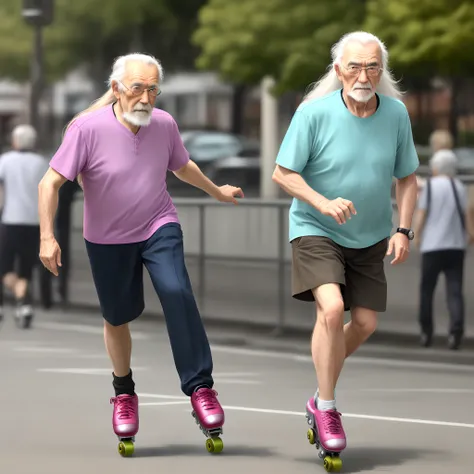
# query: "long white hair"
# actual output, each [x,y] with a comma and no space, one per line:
[117,74]
[330,82]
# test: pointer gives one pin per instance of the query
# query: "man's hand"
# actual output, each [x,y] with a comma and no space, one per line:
[400,245]
[228,193]
[50,254]
[340,209]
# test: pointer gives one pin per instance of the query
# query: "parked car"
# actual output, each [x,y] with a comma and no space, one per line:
[207,148]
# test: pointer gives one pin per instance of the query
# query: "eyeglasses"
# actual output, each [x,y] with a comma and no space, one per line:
[371,71]
[138,90]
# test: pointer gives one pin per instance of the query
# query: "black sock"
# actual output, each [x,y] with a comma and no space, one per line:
[124,385]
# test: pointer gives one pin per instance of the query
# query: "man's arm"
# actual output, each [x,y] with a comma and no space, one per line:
[190,173]
[406,196]
[294,184]
[48,190]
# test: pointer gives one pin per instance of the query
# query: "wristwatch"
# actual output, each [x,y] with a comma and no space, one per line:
[408,232]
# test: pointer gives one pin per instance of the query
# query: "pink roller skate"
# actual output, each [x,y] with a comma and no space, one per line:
[125,422]
[327,433]
[209,415]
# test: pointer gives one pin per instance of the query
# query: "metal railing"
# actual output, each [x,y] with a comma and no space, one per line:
[203,204]
[203,219]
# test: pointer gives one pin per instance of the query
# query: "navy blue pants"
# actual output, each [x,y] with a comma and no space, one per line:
[118,276]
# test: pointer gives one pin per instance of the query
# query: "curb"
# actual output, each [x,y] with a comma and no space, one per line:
[259,329]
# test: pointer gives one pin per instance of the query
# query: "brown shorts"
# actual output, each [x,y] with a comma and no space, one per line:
[359,272]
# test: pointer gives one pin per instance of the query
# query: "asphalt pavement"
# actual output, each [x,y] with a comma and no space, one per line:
[401,415]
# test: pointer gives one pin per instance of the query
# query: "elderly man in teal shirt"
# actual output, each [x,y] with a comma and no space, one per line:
[346,142]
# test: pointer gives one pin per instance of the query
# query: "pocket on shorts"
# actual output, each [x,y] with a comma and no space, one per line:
[300,242]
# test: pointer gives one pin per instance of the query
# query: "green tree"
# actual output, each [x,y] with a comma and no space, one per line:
[434,36]
[247,40]
[427,38]
[83,33]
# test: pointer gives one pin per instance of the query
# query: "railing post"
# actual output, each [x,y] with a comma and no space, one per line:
[202,259]
[281,272]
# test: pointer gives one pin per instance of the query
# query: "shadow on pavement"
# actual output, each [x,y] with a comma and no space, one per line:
[199,449]
[363,459]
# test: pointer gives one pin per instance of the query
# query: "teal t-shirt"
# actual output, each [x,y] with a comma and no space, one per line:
[341,155]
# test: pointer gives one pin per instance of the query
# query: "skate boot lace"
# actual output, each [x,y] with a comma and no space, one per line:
[207,399]
[332,422]
[125,407]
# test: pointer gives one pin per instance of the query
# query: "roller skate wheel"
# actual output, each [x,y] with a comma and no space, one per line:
[332,464]
[214,445]
[311,435]
[126,448]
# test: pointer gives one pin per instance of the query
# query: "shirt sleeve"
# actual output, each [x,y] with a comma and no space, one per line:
[296,147]
[179,156]
[71,157]
[407,161]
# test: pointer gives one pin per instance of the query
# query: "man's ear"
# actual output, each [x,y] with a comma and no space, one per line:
[115,89]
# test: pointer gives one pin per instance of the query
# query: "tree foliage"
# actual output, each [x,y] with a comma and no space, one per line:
[83,32]
[246,40]
[426,36]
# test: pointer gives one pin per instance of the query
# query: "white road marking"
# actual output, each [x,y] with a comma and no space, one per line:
[166,397]
[82,371]
[301,414]
[45,350]
[237,381]
[86,329]
[155,404]
[351,360]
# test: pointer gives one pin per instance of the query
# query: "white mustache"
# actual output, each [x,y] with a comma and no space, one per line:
[361,86]
[142,108]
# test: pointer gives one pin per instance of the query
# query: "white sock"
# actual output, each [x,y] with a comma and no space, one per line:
[324,405]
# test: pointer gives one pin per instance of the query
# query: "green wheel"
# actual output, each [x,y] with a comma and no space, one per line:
[214,445]
[126,448]
[311,436]
[332,464]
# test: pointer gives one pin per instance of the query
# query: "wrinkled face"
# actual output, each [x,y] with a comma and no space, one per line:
[360,70]
[137,92]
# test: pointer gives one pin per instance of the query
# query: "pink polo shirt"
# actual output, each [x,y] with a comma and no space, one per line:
[124,175]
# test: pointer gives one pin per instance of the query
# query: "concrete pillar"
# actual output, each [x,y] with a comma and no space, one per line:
[269,139]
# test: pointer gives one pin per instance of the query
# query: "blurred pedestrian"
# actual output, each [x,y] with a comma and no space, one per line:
[63,229]
[346,141]
[121,149]
[21,170]
[443,228]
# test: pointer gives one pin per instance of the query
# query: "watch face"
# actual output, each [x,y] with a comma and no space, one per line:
[411,235]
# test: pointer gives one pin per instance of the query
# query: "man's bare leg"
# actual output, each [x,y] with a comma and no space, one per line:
[362,325]
[118,343]
[9,280]
[328,343]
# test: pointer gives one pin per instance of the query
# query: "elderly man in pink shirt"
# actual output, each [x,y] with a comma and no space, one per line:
[121,148]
